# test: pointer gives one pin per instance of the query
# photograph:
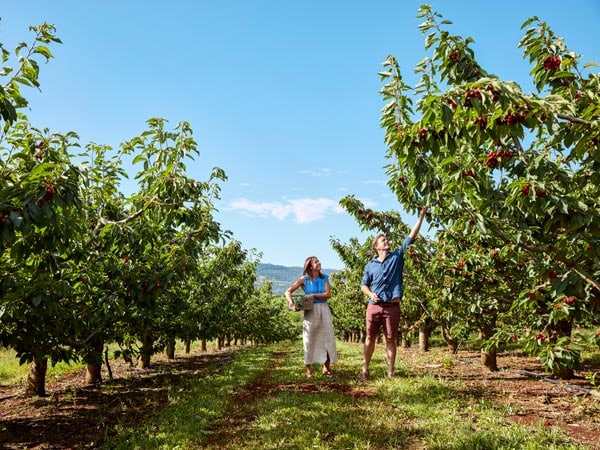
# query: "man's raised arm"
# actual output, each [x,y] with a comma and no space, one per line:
[415,231]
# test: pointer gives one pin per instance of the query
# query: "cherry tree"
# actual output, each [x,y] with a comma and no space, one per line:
[518,167]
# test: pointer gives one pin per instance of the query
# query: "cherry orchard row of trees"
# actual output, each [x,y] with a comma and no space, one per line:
[513,182]
[84,265]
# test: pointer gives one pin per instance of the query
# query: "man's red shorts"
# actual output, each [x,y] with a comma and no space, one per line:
[386,315]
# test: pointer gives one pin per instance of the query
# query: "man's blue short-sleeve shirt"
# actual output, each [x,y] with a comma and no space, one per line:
[384,278]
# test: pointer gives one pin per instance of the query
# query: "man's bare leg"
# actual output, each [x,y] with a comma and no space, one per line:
[390,356]
[368,353]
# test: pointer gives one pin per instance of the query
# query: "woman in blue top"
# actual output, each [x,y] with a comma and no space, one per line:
[317,330]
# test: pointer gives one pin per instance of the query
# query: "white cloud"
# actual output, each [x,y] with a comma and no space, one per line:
[303,210]
[374,182]
[316,172]
[369,202]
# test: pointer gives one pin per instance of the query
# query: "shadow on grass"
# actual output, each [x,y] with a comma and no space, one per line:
[76,415]
[283,409]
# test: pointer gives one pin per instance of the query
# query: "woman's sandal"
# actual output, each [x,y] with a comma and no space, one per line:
[327,373]
[364,376]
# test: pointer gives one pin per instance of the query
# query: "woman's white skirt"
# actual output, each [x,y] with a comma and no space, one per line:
[318,335]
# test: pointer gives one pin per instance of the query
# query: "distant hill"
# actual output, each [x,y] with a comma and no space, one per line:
[281,276]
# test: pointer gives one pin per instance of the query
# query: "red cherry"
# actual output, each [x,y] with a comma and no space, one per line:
[552,63]
[49,193]
[451,102]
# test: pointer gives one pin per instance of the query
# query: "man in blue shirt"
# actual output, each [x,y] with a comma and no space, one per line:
[382,284]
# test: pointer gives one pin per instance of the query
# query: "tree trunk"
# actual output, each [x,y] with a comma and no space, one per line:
[488,357]
[93,372]
[188,346]
[563,373]
[146,353]
[404,341]
[451,341]
[203,345]
[556,331]
[403,333]
[107,362]
[36,377]
[170,348]
[424,334]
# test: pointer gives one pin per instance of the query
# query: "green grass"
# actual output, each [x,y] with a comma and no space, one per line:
[192,408]
[289,412]
[11,373]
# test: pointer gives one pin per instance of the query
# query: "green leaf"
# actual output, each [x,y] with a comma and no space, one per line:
[44,51]
[8,233]
[481,224]
[457,199]
[35,212]
[447,114]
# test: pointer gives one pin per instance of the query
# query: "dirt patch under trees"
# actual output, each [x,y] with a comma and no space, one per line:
[521,383]
[78,416]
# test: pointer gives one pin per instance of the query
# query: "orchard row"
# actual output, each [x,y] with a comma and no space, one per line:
[84,265]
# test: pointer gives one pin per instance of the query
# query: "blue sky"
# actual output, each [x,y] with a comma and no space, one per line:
[282,95]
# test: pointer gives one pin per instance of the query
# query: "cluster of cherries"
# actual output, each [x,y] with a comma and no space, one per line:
[492,157]
[552,62]
[50,190]
[538,192]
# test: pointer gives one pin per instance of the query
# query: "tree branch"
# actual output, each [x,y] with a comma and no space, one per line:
[104,222]
[534,252]
[575,119]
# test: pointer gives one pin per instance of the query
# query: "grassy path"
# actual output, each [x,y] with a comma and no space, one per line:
[263,401]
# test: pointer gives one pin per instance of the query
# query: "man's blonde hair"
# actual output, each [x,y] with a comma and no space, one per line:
[375,239]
